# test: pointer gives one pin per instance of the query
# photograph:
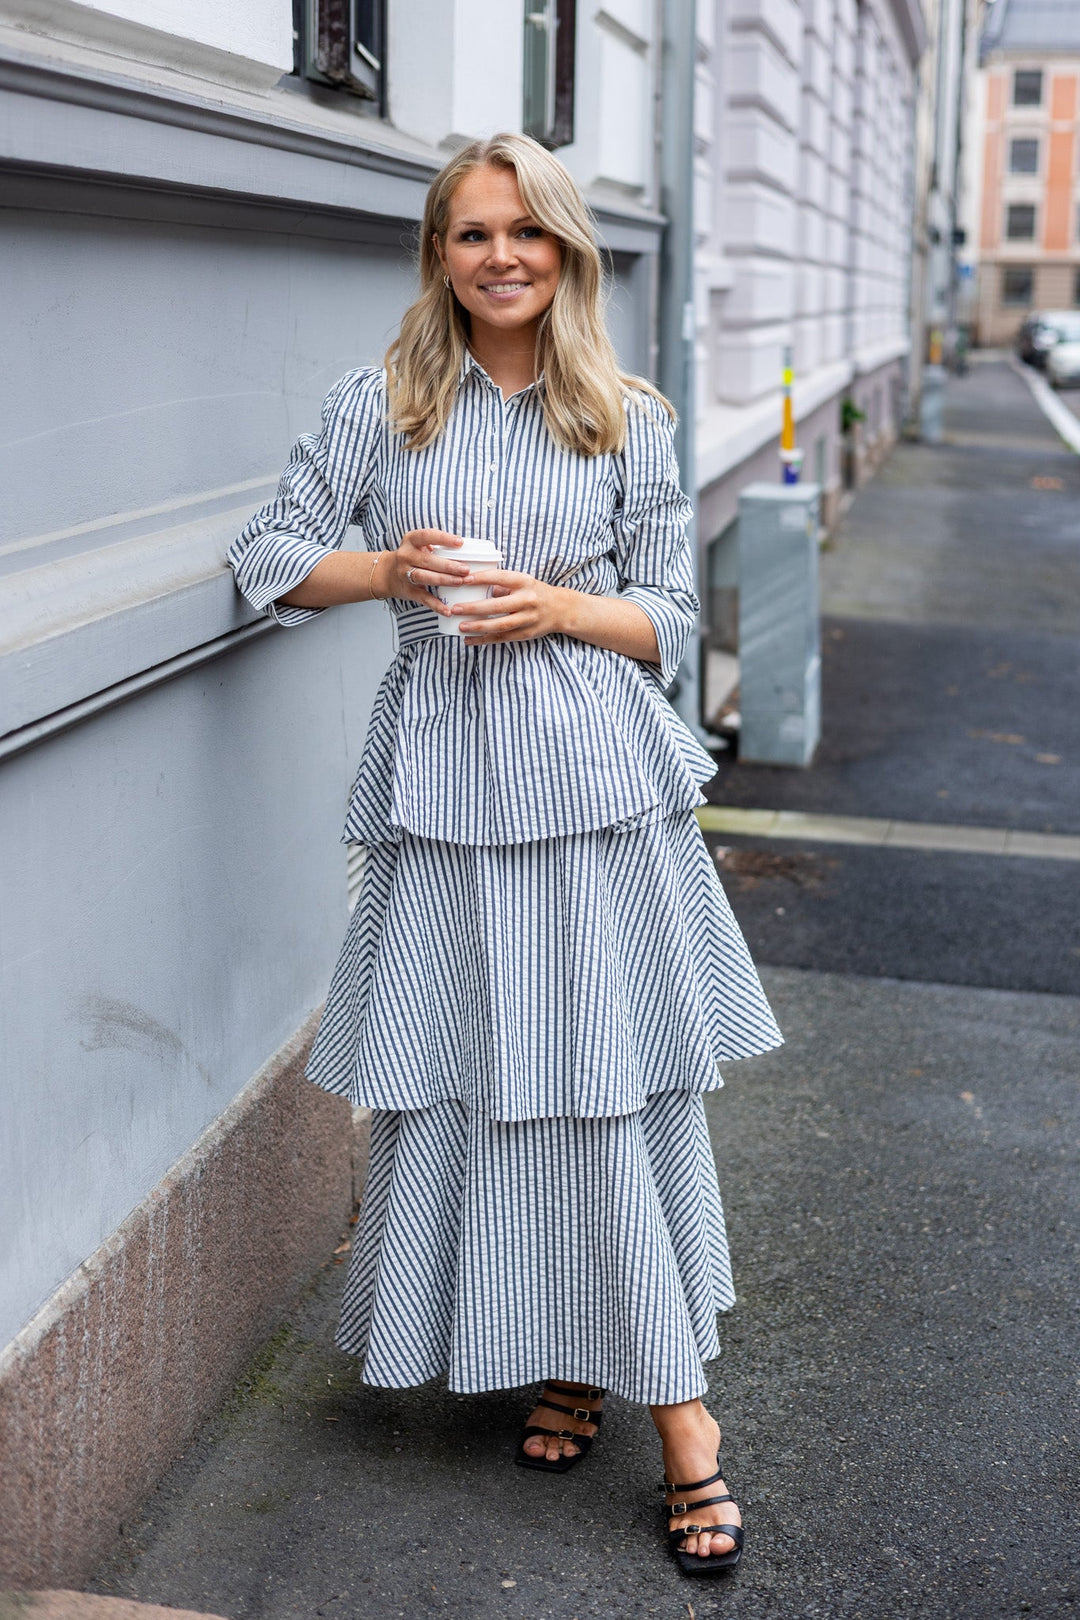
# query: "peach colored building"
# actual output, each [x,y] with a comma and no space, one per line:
[1027,209]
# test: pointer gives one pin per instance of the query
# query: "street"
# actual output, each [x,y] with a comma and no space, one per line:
[899,1381]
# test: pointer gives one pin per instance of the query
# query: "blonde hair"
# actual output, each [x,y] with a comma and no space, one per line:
[584,389]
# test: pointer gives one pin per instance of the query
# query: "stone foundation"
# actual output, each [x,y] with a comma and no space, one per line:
[104,1386]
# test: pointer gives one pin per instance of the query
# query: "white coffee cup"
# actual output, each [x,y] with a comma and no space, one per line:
[482,554]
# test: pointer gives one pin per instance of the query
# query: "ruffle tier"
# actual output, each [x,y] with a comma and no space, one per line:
[518,741]
[591,1250]
[567,976]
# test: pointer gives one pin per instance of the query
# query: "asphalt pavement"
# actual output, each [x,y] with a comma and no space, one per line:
[899,1380]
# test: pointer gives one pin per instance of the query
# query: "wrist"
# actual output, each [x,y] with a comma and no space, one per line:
[566,610]
[377,568]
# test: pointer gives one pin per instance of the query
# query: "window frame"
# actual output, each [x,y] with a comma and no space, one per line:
[1025,140]
[1008,270]
[1012,208]
[556,126]
[341,45]
[1028,74]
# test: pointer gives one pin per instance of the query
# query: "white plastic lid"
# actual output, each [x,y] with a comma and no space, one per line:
[472,549]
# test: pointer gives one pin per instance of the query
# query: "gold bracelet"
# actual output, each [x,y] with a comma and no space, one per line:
[379,555]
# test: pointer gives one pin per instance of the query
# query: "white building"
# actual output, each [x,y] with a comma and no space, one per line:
[804,151]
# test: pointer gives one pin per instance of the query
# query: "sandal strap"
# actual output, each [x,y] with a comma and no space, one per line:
[735,1531]
[677,1509]
[594,1394]
[582,1413]
[698,1484]
[558,1434]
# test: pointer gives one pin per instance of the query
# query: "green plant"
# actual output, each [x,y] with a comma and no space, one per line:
[850,414]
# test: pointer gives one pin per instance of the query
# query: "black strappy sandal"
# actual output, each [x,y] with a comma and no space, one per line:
[692,1563]
[563,1464]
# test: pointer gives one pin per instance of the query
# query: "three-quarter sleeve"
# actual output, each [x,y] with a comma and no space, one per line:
[321,492]
[652,549]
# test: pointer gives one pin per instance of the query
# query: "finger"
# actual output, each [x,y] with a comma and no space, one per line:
[433,537]
[493,607]
[490,629]
[499,576]
[444,567]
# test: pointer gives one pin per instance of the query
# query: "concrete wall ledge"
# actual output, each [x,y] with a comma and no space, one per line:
[75,626]
[103,1387]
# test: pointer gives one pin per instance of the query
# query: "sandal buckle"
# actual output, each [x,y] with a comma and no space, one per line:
[582,1414]
[678,1508]
[595,1394]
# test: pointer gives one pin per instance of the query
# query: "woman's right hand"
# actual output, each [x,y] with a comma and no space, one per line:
[414,558]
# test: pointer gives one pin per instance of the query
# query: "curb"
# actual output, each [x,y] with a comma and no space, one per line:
[1061,419]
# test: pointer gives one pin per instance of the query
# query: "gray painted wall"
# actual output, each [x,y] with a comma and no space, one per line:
[178,303]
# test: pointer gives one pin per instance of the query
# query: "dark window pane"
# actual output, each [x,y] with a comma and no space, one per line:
[1020,222]
[549,71]
[1024,157]
[343,45]
[1076,286]
[1027,87]
[1017,286]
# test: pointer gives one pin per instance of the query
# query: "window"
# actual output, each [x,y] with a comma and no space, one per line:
[1023,156]
[1027,87]
[549,71]
[341,43]
[1020,222]
[1017,286]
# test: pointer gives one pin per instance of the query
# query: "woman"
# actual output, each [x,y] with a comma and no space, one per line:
[542,971]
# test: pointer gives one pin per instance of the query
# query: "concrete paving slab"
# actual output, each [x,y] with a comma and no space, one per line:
[897,1385]
[59,1605]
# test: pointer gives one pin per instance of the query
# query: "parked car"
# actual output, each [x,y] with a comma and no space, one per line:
[1063,360]
[1043,330]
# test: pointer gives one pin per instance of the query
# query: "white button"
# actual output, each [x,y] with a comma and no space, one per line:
[491,500]
[494,467]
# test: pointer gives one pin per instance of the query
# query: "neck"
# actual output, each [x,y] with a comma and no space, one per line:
[509,358]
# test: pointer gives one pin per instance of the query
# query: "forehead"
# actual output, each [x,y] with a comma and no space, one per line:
[487,193]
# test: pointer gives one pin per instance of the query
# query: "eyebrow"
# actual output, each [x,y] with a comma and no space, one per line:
[519,221]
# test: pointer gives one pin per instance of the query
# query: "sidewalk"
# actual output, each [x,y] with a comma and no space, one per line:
[899,1379]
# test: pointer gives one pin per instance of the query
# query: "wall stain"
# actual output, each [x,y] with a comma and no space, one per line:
[120,1025]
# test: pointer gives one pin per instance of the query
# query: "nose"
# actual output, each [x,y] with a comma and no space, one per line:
[502,250]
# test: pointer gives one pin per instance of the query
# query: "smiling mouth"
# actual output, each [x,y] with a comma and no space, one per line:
[505,289]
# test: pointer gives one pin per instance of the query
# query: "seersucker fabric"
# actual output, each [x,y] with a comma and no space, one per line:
[500,1254]
[542,973]
[569,976]
[552,736]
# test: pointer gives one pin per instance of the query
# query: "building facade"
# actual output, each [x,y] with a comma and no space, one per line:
[803,215]
[208,214]
[1025,205]
[197,240]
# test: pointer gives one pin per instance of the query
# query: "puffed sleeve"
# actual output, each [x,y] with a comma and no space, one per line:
[321,492]
[652,551]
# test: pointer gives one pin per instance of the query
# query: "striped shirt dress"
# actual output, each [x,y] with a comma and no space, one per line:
[542,972]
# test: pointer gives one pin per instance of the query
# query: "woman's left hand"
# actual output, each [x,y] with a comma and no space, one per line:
[521,608]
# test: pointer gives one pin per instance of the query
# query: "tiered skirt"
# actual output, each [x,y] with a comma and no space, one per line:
[534,1026]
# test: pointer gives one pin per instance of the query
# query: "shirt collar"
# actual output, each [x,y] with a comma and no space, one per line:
[469,363]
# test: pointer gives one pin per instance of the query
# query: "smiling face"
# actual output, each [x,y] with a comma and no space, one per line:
[503,266]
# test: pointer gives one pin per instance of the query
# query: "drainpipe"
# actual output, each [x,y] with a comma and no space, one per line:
[676,300]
